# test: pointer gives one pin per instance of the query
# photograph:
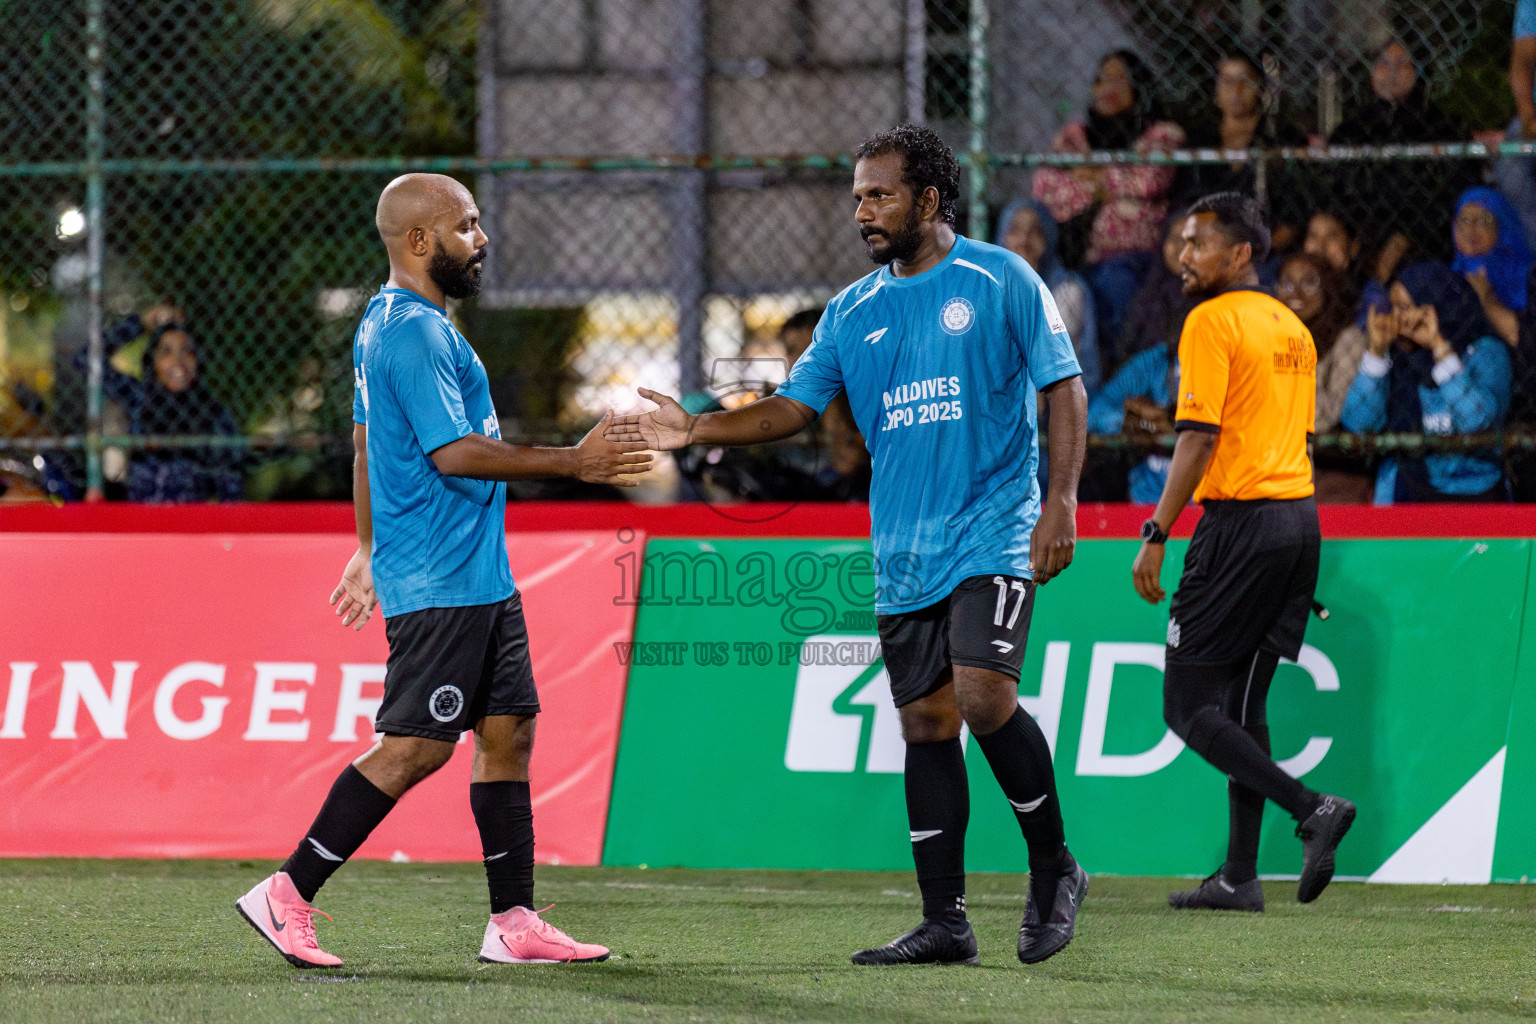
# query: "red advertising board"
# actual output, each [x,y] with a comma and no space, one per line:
[174,695]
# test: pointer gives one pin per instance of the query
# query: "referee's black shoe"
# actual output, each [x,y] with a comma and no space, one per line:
[1320,835]
[932,942]
[1042,939]
[1216,893]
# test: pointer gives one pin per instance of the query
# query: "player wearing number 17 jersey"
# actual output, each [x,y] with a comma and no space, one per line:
[942,353]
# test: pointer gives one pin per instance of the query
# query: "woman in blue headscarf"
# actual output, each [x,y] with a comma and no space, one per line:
[1026,227]
[1432,366]
[1492,252]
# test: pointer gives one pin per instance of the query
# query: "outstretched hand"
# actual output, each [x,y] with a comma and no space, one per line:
[353,597]
[664,429]
[602,460]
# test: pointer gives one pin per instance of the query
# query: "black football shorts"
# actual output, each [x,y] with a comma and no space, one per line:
[1248,582]
[450,667]
[983,623]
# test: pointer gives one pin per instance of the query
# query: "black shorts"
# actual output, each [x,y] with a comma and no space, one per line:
[984,623]
[1248,582]
[450,667]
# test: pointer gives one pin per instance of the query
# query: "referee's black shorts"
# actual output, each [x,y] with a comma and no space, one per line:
[1248,582]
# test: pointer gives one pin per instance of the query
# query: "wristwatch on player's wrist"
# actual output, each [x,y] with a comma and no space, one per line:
[1151,534]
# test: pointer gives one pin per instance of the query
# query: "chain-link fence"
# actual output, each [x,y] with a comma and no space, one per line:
[665,182]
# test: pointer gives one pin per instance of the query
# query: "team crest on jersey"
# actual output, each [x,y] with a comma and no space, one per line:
[445,703]
[957,316]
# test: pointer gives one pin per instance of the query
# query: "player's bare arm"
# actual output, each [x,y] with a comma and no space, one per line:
[1054,540]
[596,460]
[1191,453]
[354,597]
[669,426]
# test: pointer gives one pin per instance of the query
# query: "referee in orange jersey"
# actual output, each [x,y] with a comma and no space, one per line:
[1248,383]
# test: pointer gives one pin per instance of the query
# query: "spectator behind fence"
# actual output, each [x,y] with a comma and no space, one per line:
[1138,403]
[1124,206]
[1332,235]
[1156,316]
[1398,197]
[1516,175]
[1246,116]
[833,464]
[1492,253]
[170,399]
[1027,228]
[1321,297]
[1432,366]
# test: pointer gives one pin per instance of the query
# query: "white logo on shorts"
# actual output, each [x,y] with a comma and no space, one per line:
[445,703]
[1173,632]
[957,316]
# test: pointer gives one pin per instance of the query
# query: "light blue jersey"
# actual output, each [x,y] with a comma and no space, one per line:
[941,371]
[438,541]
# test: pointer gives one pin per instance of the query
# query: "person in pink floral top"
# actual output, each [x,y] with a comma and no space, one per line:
[1125,205]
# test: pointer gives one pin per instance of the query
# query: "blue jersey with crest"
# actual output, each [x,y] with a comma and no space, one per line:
[438,541]
[941,371]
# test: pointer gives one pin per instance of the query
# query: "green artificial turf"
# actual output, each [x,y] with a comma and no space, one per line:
[160,941]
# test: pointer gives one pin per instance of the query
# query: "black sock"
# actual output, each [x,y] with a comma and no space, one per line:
[1245,817]
[504,815]
[1196,699]
[1021,762]
[1224,744]
[938,810]
[351,811]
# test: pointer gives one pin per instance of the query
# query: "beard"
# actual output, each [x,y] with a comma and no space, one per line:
[1191,285]
[903,245]
[458,279]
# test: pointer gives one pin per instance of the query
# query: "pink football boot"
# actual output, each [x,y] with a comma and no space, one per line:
[520,936]
[276,910]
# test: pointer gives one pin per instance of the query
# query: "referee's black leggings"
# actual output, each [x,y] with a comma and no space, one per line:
[1219,711]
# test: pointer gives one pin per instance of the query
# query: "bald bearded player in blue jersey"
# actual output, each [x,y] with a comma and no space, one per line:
[943,352]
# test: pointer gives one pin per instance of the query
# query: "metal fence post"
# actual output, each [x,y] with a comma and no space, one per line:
[689,217]
[914,61]
[980,170]
[95,145]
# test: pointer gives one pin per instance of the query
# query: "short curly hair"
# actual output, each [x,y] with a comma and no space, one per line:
[926,162]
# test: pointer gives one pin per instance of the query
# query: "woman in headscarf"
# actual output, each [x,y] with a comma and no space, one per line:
[1246,116]
[1027,228]
[1432,366]
[1390,196]
[1492,253]
[169,400]
[1125,205]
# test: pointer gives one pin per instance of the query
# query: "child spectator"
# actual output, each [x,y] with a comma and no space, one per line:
[1492,253]
[1027,228]
[1124,205]
[1431,366]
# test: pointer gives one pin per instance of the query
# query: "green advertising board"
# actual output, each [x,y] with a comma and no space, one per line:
[758,729]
